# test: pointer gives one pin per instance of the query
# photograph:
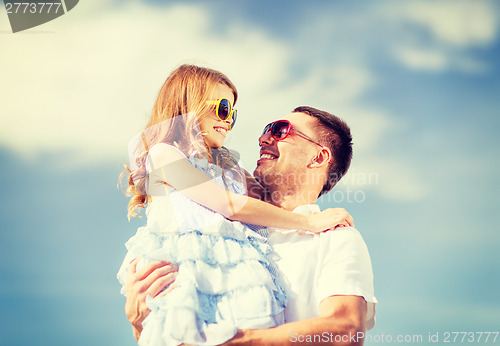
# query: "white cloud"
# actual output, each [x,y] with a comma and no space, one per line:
[88,87]
[419,59]
[456,22]
[438,59]
[454,27]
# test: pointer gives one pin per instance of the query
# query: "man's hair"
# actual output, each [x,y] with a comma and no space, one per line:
[333,133]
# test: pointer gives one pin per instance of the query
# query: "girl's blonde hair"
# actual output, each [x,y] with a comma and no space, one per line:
[180,104]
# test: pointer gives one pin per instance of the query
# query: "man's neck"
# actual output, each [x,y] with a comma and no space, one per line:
[289,201]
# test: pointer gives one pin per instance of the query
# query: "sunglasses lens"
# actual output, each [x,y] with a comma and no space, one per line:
[280,129]
[224,109]
[267,128]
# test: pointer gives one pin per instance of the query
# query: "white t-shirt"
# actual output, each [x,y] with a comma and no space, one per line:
[316,266]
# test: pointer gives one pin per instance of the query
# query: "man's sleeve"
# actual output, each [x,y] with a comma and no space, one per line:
[346,268]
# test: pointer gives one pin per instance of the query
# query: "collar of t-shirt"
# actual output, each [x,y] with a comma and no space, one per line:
[306,209]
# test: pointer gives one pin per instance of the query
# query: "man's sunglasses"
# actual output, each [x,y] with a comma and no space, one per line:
[281,129]
[224,111]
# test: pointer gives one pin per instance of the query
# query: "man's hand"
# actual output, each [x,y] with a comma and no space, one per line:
[149,281]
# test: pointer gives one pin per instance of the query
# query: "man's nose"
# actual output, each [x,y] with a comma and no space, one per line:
[265,139]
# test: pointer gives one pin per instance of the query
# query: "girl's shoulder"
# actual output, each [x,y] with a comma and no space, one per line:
[161,149]
[162,154]
[167,155]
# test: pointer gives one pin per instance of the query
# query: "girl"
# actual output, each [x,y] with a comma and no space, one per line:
[197,208]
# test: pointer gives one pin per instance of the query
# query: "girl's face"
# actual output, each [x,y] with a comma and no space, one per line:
[211,126]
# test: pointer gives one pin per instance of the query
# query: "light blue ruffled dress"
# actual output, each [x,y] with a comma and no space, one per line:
[225,280]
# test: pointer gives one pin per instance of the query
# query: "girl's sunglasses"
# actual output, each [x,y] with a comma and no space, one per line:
[281,129]
[224,111]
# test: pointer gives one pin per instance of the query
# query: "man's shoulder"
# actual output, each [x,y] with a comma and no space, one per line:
[345,233]
[342,239]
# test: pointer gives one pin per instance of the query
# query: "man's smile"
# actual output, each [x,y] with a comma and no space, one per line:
[266,155]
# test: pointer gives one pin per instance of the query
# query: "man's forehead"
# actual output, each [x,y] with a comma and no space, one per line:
[300,120]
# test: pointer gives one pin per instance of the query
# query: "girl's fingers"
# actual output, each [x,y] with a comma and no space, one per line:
[342,224]
[350,220]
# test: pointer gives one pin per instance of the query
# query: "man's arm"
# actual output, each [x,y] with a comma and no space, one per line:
[341,316]
[150,280]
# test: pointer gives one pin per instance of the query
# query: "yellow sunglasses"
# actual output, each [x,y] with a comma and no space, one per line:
[224,110]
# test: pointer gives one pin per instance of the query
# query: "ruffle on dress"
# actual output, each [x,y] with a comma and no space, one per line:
[223,284]
[225,280]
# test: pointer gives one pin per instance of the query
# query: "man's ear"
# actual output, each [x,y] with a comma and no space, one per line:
[322,158]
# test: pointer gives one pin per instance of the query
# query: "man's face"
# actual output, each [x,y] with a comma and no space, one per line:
[285,161]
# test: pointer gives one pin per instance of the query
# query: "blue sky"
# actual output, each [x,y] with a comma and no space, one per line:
[418,81]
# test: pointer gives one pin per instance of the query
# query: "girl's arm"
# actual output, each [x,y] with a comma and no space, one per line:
[174,169]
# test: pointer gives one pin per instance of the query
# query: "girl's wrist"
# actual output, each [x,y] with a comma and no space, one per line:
[305,222]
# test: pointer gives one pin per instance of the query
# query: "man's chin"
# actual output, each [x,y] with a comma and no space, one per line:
[257,175]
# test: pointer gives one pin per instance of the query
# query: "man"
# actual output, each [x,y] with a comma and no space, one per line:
[328,276]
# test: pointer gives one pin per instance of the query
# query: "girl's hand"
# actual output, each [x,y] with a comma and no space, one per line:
[330,219]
